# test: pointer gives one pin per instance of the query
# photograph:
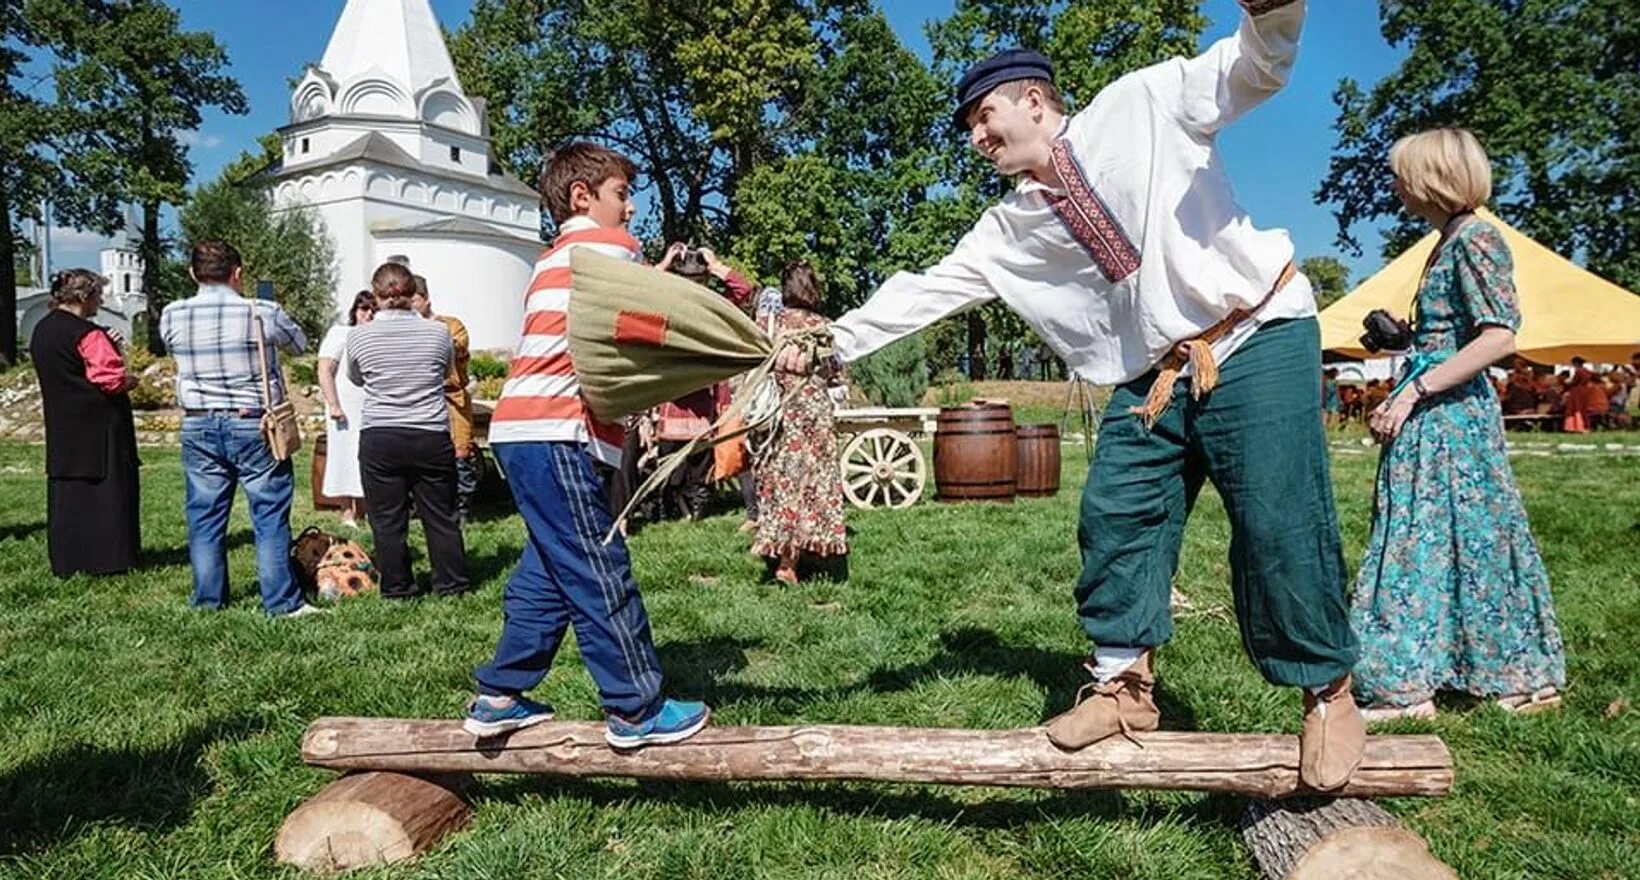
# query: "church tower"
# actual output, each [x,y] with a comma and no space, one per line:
[395,158]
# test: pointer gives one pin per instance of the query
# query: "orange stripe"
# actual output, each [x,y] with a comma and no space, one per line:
[551,365]
[545,323]
[521,409]
[602,235]
[549,279]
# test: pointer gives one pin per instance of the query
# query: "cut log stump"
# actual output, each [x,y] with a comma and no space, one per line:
[1260,765]
[1335,839]
[367,819]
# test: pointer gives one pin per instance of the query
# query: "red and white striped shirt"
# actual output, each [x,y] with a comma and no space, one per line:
[542,398]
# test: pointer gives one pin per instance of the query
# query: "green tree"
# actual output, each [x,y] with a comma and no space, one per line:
[27,175]
[1551,88]
[896,375]
[133,82]
[290,248]
[1328,276]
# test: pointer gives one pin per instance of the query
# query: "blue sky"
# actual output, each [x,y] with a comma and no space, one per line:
[1276,156]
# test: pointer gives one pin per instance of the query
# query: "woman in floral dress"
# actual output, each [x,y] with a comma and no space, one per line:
[1452,595]
[799,486]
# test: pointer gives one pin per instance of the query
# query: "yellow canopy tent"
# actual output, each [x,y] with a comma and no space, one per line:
[1565,310]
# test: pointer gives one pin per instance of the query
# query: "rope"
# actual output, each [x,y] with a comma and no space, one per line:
[816,342]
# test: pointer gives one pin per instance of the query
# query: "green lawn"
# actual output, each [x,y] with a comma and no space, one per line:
[141,739]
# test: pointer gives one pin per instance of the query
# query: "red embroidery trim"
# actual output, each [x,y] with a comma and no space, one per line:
[646,328]
[1090,221]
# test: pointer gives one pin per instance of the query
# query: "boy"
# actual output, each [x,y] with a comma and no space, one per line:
[546,441]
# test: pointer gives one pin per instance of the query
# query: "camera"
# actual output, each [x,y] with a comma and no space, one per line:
[1385,332]
[690,264]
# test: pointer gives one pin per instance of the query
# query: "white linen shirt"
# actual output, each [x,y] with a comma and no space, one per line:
[1162,252]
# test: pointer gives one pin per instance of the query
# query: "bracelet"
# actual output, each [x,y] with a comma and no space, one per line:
[1418,385]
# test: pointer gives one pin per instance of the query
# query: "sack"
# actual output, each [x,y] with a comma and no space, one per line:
[280,430]
[345,570]
[640,337]
[307,551]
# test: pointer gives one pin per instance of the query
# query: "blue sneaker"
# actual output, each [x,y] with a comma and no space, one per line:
[487,717]
[675,722]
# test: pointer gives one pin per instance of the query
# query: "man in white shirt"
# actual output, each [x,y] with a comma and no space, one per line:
[1123,247]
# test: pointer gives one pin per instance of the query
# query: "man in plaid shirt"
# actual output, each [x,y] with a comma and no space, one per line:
[219,387]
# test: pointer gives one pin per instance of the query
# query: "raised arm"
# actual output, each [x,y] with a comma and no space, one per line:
[1237,73]
[910,301]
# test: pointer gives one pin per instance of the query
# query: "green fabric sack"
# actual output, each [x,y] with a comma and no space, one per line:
[641,337]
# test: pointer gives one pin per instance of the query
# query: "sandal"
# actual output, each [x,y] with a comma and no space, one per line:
[1381,714]
[1541,700]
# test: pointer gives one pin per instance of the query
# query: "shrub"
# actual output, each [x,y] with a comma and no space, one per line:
[489,388]
[952,389]
[897,375]
[487,366]
[303,371]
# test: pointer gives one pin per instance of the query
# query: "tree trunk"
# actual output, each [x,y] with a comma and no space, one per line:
[1335,839]
[368,819]
[8,284]
[976,346]
[150,251]
[1252,764]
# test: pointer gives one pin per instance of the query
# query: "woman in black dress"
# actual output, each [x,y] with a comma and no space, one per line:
[91,443]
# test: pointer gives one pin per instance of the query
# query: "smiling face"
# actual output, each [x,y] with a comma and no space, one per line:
[1015,134]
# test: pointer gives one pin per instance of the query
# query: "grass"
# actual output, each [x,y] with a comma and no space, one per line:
[140,739]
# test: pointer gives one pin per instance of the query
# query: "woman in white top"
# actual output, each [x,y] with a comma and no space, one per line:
[345,402]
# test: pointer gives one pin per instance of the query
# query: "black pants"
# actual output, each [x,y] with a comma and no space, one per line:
[467,477]
[687,488]
[396,464]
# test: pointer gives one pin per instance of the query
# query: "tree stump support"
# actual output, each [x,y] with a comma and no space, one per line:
[372,818]
[1335,839]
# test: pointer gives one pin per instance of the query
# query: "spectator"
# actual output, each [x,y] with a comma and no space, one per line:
[1374,394]
[212,335]
[458,399]
[800,488]
[92,512]
[344,404]
[1521,391]
[405,450]
[1330,402]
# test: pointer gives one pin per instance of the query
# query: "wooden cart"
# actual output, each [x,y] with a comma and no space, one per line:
[882,464]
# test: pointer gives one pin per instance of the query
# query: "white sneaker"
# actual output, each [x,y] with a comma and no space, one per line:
[306,610]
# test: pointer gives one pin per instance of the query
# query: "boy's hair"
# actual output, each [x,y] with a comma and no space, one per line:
[1014,90]
[579,162]
[392,285]
[213,261]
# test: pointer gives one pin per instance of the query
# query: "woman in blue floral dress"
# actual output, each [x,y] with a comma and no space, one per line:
[1452,595]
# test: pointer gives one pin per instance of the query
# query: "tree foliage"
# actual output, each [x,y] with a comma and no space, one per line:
[130,82]
[290,248]
[27,174]
[1328,276]
[1551,88]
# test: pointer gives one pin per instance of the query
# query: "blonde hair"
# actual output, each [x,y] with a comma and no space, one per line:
[1445,168]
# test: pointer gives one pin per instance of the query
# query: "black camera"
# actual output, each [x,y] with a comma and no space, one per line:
[691,263]
[1385,332]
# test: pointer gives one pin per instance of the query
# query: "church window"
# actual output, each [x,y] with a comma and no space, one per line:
[304,146]
[455,155]
[128,284]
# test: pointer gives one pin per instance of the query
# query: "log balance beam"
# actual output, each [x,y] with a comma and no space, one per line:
[1256,765]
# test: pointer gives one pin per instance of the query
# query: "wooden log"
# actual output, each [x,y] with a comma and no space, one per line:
[366,819]
[1260,765]
[1335,839]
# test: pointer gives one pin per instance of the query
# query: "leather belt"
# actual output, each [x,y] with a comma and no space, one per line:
[246,413]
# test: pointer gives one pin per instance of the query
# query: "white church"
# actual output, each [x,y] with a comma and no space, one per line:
[395,159]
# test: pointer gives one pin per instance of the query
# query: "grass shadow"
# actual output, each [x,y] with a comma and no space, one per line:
[168,556]
[54,796]
[21,531]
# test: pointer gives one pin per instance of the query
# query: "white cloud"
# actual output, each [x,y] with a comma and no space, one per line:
[199,139]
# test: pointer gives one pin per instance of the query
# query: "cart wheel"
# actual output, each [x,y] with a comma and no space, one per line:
[883,468]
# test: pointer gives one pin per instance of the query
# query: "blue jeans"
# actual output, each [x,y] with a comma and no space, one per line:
[568,576]
[219,453]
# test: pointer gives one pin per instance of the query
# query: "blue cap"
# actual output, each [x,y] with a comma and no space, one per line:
[1005,66]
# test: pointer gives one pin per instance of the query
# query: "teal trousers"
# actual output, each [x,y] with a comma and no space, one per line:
[1259,438]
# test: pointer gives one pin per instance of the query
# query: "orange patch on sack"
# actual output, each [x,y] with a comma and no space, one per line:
[647,328]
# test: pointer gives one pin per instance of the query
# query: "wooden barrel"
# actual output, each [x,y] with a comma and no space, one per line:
[976,456]
[1038,460]
[316,475]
